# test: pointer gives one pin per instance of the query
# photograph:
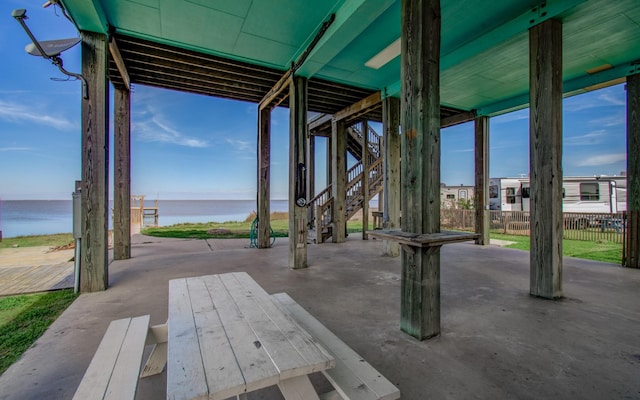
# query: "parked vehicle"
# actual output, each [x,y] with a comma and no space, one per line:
[584,198]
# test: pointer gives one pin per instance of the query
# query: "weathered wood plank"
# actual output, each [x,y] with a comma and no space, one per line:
[187,379]
[391,125]
[117,58]
[420,71]
[124,378]
[482,179]
[339,180]
[545,149]
[297,174]
[264,178]
[255,363]
[122,175]
[223,374]
[633,170]
[94,273]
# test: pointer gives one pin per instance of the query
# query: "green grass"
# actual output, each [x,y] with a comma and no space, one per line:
[237,229]
[40,240]
[597,251]
[24,318]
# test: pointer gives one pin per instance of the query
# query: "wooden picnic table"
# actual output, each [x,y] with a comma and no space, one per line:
[226,337]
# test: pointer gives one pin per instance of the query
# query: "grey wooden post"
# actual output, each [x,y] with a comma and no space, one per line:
[391,125]
[264,177]
[365,179]
[339,182]
[633,171]
[297,173]
[482,179]
[420,293]
[94,272]
[122,175]
[545,149]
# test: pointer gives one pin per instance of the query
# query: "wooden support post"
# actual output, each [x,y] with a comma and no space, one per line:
[633,171]
[365,179]
[329,160]
[264,178]
[390,126]
[339,182]
[94,274]
[311,176]
[482,179]
[420,70]
[297,173]
[545,154]
[122,175]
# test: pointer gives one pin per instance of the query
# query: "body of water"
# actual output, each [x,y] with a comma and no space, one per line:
[42,217]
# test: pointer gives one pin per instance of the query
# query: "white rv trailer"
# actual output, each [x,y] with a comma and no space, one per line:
[580,194]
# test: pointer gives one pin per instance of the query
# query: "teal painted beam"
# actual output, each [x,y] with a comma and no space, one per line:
[87,15]
[352,18]
[502,33]
[569,88]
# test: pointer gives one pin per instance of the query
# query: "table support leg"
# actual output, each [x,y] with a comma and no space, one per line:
[298,388]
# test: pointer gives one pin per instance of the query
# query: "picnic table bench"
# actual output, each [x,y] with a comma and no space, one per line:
[113,371]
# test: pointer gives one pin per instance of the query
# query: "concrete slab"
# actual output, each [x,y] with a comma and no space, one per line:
[496,342]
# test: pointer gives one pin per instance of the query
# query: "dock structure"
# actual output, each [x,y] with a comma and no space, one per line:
[140,212]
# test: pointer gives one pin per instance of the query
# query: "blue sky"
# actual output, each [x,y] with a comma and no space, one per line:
[187,146]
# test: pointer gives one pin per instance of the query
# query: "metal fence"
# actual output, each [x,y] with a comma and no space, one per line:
[577,226]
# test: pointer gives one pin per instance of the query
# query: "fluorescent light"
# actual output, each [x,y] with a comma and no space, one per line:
[387,54]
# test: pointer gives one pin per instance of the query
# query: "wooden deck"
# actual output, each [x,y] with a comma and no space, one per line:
[30,271]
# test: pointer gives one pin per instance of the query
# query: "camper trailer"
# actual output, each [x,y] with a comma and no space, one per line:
[595,194]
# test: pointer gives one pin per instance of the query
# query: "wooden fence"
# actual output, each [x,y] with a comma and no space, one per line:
[577,226]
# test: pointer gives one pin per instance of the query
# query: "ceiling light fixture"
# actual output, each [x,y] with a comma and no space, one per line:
[387,54]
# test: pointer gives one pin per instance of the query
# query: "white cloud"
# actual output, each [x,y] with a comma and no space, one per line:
[240,145]
[611,120]
[11,149]
[155,129]
[22,113]
[603,159]
[591,138]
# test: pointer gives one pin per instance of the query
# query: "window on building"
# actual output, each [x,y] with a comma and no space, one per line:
[589,191]
[511,195]
[526,192]
[493,191]
[462,194]
[451,196]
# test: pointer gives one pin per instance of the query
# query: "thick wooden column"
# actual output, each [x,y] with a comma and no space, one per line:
[339,180]
[122,175]
[94,273]
[297,173]
[545,155]
[264,177]
[482,179]
[365,179]
[420,293]
[390,126]
[633,171]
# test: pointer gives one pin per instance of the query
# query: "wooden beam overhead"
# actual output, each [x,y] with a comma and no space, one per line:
[457,119]
[359,107]
[117,58]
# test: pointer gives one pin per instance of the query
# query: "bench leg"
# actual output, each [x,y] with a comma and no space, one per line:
[298,388]
[158,358]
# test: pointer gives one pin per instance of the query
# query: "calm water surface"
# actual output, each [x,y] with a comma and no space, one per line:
[40,217]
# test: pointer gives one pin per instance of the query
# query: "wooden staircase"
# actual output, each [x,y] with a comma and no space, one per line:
[321,206]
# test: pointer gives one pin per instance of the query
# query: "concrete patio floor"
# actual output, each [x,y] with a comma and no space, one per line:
[497,342]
